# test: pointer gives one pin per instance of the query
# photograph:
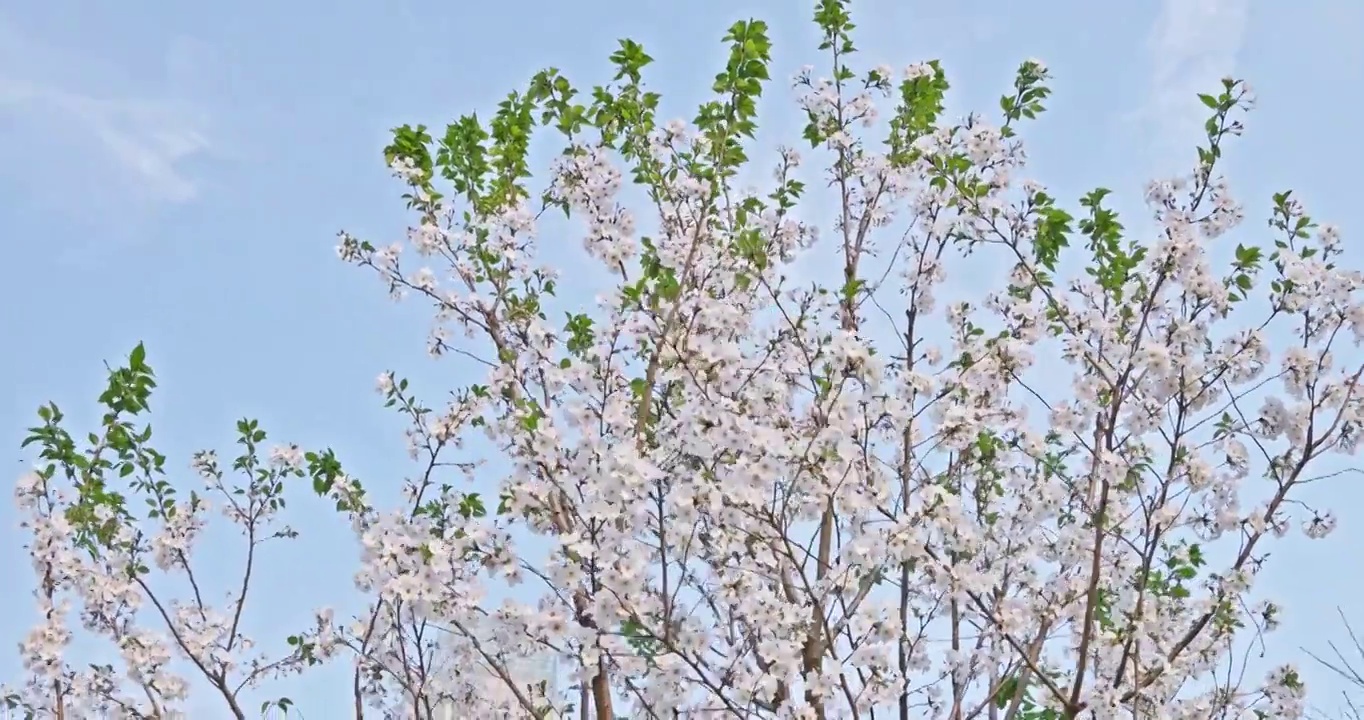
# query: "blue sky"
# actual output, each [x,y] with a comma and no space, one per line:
[176,173]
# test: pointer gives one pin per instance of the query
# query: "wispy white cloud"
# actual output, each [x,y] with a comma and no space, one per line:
[1193,45]
[148,139]
[130,142]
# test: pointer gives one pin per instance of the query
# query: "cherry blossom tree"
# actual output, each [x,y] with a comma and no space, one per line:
[731,486]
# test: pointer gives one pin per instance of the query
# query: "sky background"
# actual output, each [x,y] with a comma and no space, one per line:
[175,173]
